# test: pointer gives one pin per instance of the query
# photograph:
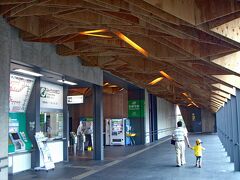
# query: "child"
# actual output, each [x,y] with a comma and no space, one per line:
[198,152]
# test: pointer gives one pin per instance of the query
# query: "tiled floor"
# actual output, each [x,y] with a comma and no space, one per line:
[156,161]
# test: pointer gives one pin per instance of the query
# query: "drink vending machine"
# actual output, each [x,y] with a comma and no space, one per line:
[115,132]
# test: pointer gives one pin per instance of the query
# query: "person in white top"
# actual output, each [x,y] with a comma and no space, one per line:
[180,136]
[80,136]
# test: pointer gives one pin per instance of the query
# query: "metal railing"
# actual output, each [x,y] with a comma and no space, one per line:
[5,166]
[159,131]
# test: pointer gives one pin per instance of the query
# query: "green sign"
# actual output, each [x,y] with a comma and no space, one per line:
[136,108]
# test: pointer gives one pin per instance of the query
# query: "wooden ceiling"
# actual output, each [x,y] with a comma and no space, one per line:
[171,36]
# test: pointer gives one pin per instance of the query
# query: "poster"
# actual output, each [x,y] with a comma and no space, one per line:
[51,96]
[20,91]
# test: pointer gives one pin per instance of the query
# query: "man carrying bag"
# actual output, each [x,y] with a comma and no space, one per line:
[179,137]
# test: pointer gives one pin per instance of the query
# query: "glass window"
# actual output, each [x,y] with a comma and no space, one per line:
[51,123]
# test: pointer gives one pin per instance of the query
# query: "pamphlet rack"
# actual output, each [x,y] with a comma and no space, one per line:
[44,150]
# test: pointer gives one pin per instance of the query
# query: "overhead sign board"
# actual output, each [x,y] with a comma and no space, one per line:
[75,99]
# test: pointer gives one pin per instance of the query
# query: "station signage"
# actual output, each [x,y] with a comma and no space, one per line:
[75,99]
[135,108]
[51,96]
[20,91]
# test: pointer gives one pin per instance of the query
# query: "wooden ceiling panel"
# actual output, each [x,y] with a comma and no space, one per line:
[141,40]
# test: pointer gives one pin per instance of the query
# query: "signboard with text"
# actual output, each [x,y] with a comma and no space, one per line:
[51,96]
[135,108]
[20,91]
[75,99]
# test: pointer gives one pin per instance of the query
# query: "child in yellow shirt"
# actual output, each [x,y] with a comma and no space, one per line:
[198,152]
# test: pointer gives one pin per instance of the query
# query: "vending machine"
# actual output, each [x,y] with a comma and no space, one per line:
[107,131]
[117,132]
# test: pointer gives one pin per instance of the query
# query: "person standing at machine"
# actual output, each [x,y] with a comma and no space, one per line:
[80,137]
[88,133]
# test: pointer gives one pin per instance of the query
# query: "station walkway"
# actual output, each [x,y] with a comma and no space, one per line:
[156,161]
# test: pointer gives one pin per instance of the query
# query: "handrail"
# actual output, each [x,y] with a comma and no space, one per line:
[159,131]
[3,158]
[3,167]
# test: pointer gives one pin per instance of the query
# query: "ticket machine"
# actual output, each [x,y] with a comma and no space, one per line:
[17,141]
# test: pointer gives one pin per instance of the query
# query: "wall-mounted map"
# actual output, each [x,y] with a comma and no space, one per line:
[20,91]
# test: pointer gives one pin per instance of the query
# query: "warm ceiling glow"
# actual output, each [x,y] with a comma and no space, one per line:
[131,43]
[166,75]
[105,84]
[155,81]
[194,104]
[91,33]
[113,85]
[98,35]
[94,31]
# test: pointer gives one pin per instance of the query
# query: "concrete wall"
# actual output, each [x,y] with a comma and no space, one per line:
[4,95]
[166,114]
[146,120]
[208,121]
[44,55]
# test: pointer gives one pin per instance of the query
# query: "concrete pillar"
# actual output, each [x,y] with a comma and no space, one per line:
[235,134]
[98,122]
[237,144]
[153,117]
[65,124]
[5,50]
[231,131]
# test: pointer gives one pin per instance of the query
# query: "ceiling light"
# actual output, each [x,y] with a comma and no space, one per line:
[27,72]
[67,82]
[93,31]
[194,104]
[189,105]
[90,33]
[98,35]
[105,84]
[121,89]
[166,75]
[131,43]
[113,85]
[155,81]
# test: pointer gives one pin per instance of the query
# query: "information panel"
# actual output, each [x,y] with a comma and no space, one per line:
[75,99]
[20,91]
[51,96]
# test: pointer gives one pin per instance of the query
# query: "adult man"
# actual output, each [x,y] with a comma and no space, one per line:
[180,136]
[80,136]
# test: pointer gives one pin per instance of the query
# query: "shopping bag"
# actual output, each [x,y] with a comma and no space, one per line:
[172,141]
